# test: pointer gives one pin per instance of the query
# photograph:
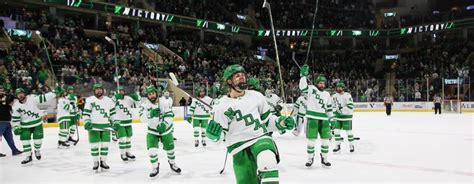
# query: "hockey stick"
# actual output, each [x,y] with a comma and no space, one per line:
[312,30]
[225,162]
[282,90]
[294,60]
[77,132]
[175,82]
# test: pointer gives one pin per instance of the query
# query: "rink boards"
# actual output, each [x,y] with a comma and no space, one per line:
[181,113]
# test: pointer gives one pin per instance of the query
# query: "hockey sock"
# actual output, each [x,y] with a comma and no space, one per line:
[63,134]
[72,130]
[95,151]
[324,148]
[153,153]
[104,149]
[337,135]
[203,133]
[123,145]
[128,144]
[26,146]
[170,154]
[350,136]
[310,148]
[37,144]
[196,133]
[267,167]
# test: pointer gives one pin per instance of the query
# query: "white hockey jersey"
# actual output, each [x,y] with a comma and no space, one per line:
[167,100]
[67,109]
[200,111]
[318,104]
[273,100]
[100,112]
[343,106]
[28,114]
[166,117]
[251,121]
[123,109]
[300,107]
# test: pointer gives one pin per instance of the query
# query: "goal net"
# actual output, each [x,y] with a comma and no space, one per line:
[451,106]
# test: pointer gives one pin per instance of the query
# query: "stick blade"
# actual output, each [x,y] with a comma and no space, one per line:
[221,171]
[173,78]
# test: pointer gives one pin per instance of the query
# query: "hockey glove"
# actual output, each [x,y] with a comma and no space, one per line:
[116,125]
[118,96]
[155,113]
[161,128]
[214,130]
[88,125]
[17,131]
[304,70]
[285,123]
[190,120]
[135,97]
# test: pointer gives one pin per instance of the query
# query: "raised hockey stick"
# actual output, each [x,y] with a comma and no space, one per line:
[294,60]
[175,82]
[312,30]
[282,90]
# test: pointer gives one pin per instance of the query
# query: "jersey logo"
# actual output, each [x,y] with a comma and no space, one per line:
[200,105]
[248,119]
[101,110]
[29,113]
[124,109]
[320,101]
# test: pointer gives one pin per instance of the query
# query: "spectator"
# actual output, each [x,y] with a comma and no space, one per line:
[6,102]
[182,102]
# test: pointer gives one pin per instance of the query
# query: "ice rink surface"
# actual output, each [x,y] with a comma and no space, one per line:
[405,147]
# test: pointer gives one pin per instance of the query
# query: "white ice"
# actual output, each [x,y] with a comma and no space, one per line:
[405,147]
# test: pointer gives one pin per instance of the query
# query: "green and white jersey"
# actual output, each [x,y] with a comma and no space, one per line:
[273,100]
[244,120]
[123,109]
[300,106]
[318,104]
[200,111]
[28,114]
[165,117]
[100,112]
[67,109]
[167,100]
[343,106]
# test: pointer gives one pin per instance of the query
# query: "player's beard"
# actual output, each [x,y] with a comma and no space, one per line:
[21,99]
[153,100]
[98,95]
[339,90]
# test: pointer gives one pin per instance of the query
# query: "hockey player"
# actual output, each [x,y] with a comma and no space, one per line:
[123,121]
[27,120]
[166,98]
[158,117]
[98,115]
[343,110]
[299,112]
[274,101]
[75,119]
[245,116]
[200,116]
[318,114]
[66,115]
